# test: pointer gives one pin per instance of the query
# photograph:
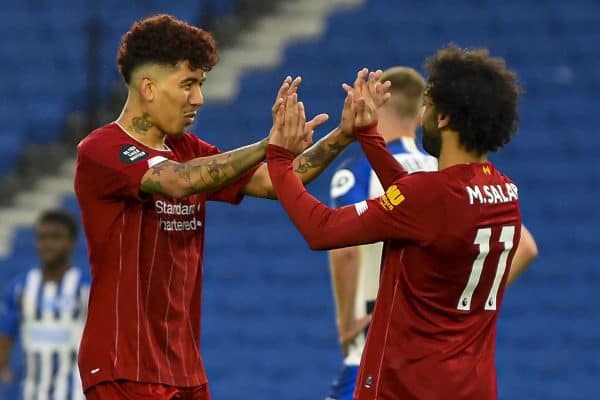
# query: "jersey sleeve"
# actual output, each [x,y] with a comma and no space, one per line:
[112,169]
[407,211]
[10,313]
[350,183]
[232,193]
[385,165]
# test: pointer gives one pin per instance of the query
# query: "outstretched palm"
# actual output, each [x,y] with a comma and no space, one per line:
[367,95]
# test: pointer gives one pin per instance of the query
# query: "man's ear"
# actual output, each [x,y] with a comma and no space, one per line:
[443,121]
[147,89]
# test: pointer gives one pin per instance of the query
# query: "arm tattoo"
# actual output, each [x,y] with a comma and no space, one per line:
[151,186]
[314,160]
[203,174]
[141,124]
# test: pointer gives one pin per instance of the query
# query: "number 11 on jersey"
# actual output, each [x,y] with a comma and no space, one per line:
[482,240]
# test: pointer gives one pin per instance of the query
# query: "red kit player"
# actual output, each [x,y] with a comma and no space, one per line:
[142,183]
[450,236]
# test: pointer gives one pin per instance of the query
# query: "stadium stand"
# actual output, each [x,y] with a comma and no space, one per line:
[268,317]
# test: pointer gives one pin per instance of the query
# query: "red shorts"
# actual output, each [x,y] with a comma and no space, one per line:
[126,390]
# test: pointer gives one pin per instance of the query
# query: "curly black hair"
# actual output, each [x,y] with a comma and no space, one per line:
[478,92]
[163,39]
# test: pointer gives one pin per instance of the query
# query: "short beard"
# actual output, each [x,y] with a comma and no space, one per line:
[432,141]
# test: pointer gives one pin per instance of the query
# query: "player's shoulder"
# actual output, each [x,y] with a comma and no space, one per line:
[102,138]
[430,185]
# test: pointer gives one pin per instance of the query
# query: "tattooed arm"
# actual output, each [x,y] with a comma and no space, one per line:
[307,165]
[204,174]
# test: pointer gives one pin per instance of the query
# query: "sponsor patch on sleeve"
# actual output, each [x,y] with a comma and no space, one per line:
[129,154]
[391,198]
[361,207]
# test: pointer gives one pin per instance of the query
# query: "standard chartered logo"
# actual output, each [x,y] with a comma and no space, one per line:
[178,217]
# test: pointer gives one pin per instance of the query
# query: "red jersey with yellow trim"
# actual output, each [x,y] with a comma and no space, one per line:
[449,241]
[145,253]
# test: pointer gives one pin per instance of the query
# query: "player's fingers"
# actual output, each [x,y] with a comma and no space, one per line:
[281,93]
[317,121]
[301,123]
[294,85]
[278,104]
[360,79]
[347,88]
[308,139]
[291,112]
[280,118]
[372,81]
[348,102]
[385,98]
[301,117]
[386,86]
[378,74]
[284,86]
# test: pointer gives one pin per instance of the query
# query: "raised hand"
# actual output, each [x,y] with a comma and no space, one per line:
[287,88]
[347,123]
[367,95]
[289,130]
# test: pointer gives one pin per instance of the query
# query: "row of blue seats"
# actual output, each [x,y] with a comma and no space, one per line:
[55,32]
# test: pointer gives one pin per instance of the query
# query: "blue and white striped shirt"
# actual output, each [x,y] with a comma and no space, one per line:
[48,317]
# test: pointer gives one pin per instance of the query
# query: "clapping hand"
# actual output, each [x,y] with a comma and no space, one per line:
[288,88]
[364,99]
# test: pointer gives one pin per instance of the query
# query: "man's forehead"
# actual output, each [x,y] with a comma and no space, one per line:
[183,68]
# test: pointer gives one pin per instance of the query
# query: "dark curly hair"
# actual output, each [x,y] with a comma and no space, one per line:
[163,39]
[478,92]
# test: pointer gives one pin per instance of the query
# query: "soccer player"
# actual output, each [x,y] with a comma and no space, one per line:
[142,183]
[450,235]
[46,309]
[355,270]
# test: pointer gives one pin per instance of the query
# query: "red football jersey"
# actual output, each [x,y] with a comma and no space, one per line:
[449,241]
[145,254]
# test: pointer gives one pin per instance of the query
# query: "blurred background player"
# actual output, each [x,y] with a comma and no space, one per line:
[45,309]
[450,235]
[355,270]
[142,183]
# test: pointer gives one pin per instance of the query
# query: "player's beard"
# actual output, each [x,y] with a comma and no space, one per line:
[432,139]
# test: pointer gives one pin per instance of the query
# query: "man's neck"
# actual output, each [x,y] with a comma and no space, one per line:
[136,123]
[398,135]
[395,129]
[54,272]
[452,153]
